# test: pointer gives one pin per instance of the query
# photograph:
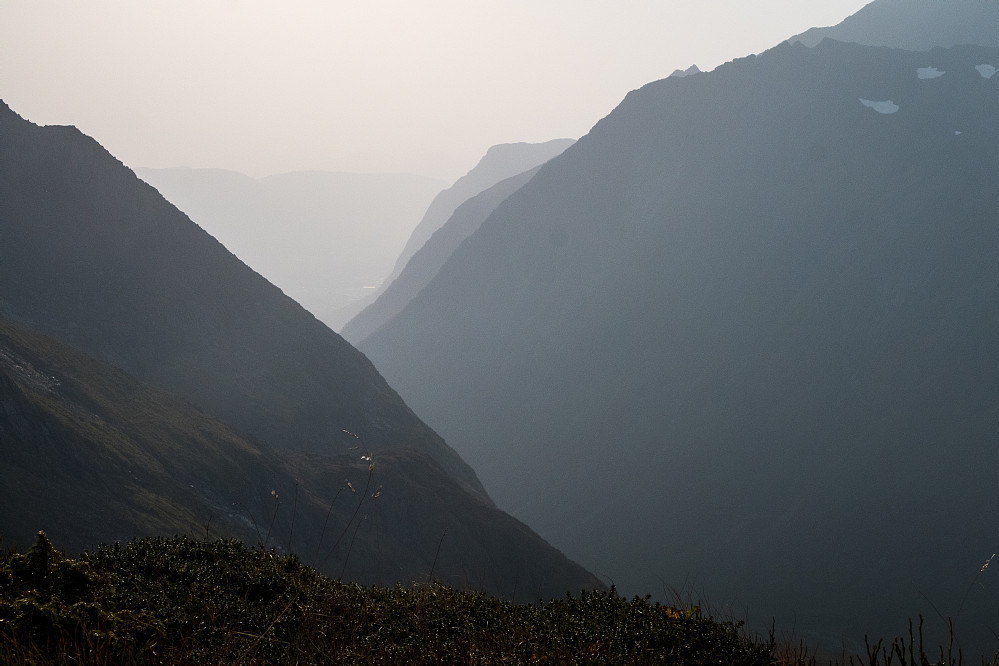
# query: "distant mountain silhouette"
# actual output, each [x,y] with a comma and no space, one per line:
[499,163]
[427,261]
[742,336]
[915,25]
[324,238]
[690,71]
[95,258]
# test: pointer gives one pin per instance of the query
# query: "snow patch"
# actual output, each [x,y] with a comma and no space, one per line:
[929,73]
[886,107]
[987,71]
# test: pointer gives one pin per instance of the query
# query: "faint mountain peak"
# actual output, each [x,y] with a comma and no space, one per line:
[508,156]
[424,265]
[500,162]
[681,73]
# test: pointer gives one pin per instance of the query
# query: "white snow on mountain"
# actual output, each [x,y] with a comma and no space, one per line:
[886,107]
[929,73]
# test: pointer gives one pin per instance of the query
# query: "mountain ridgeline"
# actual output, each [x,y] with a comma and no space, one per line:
[423,266]
[95,257]
[324,238]
[501,162]
[914,25]
[212,401]
[737,340]
[741,336]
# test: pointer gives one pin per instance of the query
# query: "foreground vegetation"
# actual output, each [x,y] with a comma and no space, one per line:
[182,600]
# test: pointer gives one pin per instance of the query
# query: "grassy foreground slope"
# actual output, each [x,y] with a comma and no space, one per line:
[182,600]
[188,601]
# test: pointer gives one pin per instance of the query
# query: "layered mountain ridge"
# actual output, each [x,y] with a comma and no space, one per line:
[500,163]
[425,263]
[324,238]
[290,438]
[133,281]
[741,331]
[914,25]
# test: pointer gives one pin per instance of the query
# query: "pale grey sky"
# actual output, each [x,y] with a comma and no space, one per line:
[264,86]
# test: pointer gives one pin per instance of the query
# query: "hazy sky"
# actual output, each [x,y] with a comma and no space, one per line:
[263,86]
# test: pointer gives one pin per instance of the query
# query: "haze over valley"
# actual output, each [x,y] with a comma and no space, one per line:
[732,338]
[326,239]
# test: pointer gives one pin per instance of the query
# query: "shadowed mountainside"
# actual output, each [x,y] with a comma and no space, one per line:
[94,456]
[97,259]
[93,256]
[91,455]
[740,337]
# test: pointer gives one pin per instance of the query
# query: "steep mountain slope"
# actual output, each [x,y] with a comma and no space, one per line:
[91,455]
[915,25]
[321,237]
[499,163]
[97,259]
[427,261]
[741,336]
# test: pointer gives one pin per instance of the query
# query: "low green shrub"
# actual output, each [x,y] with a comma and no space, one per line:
[186,601]
[182,600]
